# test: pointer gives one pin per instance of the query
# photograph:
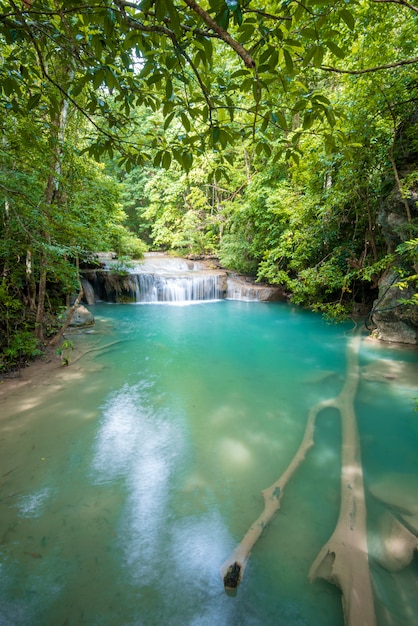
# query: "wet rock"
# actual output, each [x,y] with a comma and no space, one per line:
[82,317]
[394,322]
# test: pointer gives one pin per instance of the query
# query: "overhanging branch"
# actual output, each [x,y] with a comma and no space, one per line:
[401,2]
[222,33]
[369,70]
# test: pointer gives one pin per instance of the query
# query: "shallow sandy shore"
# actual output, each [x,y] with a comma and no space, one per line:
[34,374]
[45,375]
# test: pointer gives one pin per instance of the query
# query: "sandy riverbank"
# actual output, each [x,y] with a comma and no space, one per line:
[35,373]
[38,379]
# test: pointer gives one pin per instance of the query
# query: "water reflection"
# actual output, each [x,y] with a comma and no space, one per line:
[144,448]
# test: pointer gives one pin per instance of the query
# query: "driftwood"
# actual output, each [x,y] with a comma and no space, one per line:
[344,558]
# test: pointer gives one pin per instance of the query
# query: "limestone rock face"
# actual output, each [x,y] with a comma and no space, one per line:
[394,322]
[82,317]
[243,288]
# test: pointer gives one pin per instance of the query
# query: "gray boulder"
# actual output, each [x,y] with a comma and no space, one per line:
[82,317]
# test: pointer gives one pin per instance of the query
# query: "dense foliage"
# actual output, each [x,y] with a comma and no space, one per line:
[278,136]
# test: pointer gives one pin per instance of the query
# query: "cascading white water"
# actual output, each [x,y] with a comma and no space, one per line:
[160,278]
[181,288]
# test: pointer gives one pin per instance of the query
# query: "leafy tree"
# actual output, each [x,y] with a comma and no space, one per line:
[168,56]
[280,126]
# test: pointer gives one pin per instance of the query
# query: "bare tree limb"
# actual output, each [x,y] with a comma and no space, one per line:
[401,2]
[269,16]
[222,33]
[368,70]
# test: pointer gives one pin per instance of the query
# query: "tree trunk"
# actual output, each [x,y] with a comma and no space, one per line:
[70,315]
[58,125]
[39,331]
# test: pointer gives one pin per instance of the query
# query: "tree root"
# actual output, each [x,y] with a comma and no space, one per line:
[344,558]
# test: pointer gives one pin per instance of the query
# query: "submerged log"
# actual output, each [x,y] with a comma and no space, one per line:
[344,558]
[272,499]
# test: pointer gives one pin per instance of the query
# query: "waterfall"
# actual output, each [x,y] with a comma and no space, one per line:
[182,288]
[159,278]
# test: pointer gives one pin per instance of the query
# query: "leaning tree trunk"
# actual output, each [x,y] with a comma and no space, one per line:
[344,558]
[40,309]
[70,315]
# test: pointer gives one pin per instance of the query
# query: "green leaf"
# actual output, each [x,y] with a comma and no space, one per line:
[207,43]
[299,106]
[160,9]
[185,122]
[267,149]
[174,17]
[187,160]
[216,132]
[10,85]
[168,120]
[109,23]
[348,18]
[33,101]
[335,49]
[308,56]
[308,120]
[246,31]
[223,19]
[155,78]
[309,33]
[169,93]
[98,78]
[166,160]
[320,98]
[288,61]
[318,56]
[264,124]
[280,119]
[292,43]
[111,79]
[330,116]
[240,73]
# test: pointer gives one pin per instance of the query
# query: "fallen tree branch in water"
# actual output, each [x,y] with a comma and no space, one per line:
[233,568]
[344,558]
[95,349]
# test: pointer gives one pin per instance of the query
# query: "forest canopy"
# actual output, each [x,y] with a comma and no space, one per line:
[280,137]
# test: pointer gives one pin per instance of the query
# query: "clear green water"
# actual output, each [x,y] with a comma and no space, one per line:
[122,493]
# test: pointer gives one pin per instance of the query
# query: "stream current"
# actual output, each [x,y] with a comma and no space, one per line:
[123,490]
